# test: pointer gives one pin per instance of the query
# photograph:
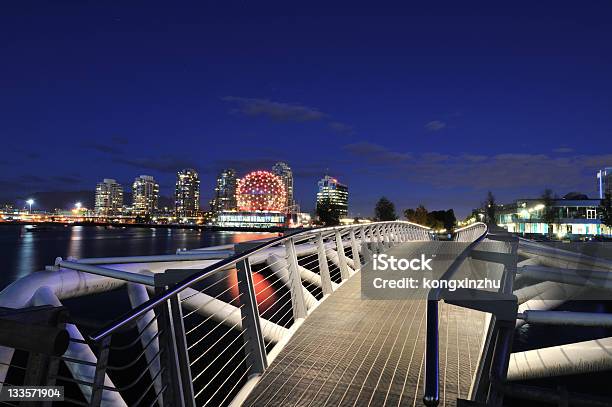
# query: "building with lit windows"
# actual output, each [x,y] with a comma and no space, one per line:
[604,182]
[332,192]
[572,217]
[145,195]
[187,194]
[109,198]
[283,170]
[225,192]
[260,199]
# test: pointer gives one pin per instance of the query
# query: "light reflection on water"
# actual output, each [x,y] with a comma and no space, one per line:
[25,250]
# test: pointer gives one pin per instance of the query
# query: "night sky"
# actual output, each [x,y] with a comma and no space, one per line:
[431,104]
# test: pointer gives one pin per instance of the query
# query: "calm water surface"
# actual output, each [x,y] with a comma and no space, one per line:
[24,250]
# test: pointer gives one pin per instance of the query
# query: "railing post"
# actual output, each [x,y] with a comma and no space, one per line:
[176,375]
[374,242]
[326,284]
[395,234]
[295,282]
[251,327]
[355,249]
[366,253]
[100,373]
[381,237]
[432,385]
[344,273]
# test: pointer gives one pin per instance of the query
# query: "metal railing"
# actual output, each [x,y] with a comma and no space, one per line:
[204,333]
[474,233]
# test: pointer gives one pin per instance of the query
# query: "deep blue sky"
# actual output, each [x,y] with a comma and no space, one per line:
[429,104]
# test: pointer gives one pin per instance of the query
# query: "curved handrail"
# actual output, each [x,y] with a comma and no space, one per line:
[149,305]
[432,369]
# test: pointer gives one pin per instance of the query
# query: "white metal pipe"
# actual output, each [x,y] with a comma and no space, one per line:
[278,265]
[533,261]
[137,293]
[79,351]
[227,314]
[64,284]
[526,293]
[107,272]
[567,318]
[313,278]
[553,297]
[576,358]
[332,255]
[555,257]
[184,256]
[591,278]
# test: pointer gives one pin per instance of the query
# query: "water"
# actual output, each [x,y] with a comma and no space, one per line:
[24,250]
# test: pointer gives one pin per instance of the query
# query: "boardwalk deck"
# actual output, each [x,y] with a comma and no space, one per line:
[356,352]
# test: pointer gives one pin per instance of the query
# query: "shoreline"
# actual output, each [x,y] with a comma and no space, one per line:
[155,226]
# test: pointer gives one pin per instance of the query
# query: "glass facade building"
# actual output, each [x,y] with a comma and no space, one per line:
[284,172]
[187,194]
[333,192]
[109,198]
[145,195]
[225,192]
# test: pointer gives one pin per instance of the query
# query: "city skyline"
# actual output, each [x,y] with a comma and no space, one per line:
[145,198]
[418,102]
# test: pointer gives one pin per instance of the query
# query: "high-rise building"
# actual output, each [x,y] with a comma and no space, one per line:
[604,182]
[109,198]
[333,193]
[284,172]
[225,192]
[187,195]
[145,195]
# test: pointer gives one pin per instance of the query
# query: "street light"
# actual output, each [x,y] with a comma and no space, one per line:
[78,205]
[30,202]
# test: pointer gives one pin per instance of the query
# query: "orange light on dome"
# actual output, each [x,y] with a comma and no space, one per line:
[261,191]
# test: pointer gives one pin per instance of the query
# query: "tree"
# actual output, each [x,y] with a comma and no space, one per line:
[605,209]
[489,207]
[549,215]
[419,215]
[327,213]
[385,210]
[435,219]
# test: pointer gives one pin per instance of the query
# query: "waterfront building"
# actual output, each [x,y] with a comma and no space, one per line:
[225,192]
[334,193]
[283,170]
[109,198]
[567,218]
[145,195]
[187,194]
[604,182]
[260,198]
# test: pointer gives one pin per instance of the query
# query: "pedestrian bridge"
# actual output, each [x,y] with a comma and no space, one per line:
[286,321]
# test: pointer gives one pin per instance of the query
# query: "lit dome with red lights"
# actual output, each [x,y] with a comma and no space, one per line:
[261,191]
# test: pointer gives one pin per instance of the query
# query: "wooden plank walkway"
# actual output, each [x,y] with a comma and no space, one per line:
[360,352]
